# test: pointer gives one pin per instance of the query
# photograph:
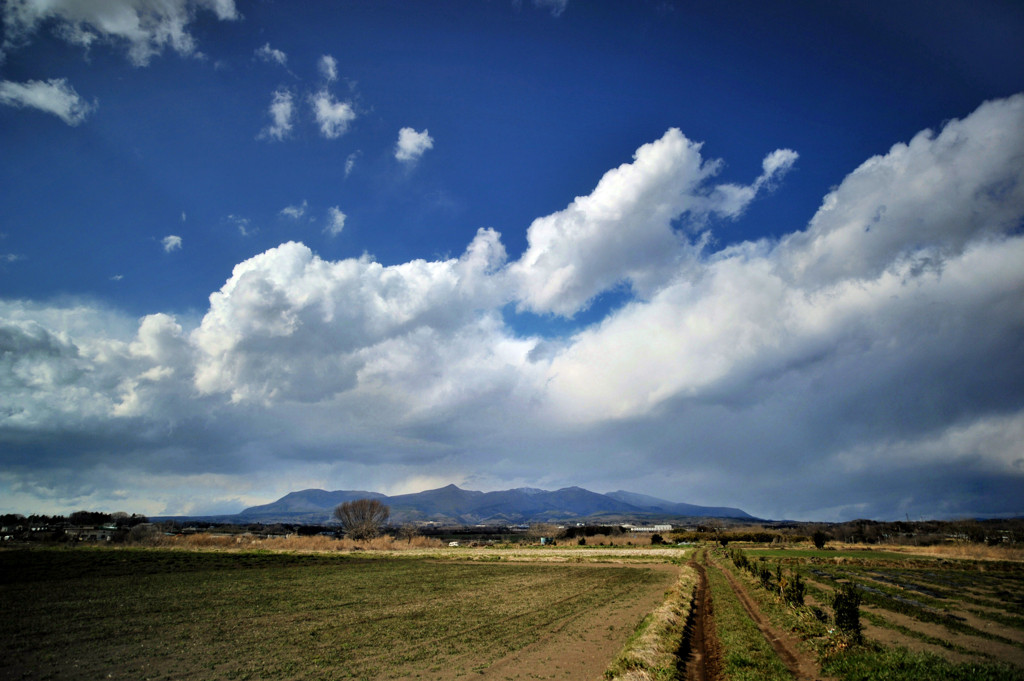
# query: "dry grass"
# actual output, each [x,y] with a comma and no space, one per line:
[964,551]
[314,544]
[651,653]
[616,540]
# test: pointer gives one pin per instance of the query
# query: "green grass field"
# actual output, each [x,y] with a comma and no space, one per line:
[829,554]
[148,614]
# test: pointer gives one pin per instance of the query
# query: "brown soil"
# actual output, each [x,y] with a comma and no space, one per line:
[996,650]
[577,648]
[701,652]
[801,665]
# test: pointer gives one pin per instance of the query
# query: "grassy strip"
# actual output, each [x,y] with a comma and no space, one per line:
[899,664]
[800,620]
[746,654]
[650,654]
[847,554]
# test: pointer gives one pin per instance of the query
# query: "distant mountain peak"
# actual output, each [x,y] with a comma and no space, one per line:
[452,504]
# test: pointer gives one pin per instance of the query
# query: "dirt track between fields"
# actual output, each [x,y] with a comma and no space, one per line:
[801,665]
[701,651]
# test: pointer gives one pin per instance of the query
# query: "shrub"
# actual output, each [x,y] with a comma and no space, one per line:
[846,610]
[765,575]
[793,590]
[819,538]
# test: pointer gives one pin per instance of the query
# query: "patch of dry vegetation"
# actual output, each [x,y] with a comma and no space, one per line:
[652,652]
[314,544]
[617,540]
[965,550]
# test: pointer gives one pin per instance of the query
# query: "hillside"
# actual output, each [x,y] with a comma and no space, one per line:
[454,505]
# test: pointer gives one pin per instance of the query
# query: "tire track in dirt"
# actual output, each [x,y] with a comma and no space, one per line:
[799,664]
[700,652]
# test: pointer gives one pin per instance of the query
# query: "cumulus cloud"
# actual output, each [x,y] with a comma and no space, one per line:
[171,242]
[269,54]
[328,67]
[335,221]
[143,27]
[281,111]
[874,356]
[53,96]
[332,116]
[625,230]
[318,322]
[954,187]
[411,144]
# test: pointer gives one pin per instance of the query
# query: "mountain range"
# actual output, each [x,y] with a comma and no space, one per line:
[453,505]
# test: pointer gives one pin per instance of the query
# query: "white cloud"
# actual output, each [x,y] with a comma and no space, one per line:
[825,373]
[318,322]
[244,225]
[625,230]
[281,111]
[332,116]
[144,27]
[54,96]
[269,54]
[350,162]
[411,144]
[171,242]
[335,221]
[328,67]
[962,184]
[295,212]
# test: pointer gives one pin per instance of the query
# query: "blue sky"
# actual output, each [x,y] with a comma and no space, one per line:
[748,254]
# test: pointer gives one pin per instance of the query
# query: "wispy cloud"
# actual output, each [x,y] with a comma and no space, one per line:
[328,67]
[350,162]
[143,28]
[295,212]
[557,7]
[244,225]
[269,54]
[53,96]
[172,242]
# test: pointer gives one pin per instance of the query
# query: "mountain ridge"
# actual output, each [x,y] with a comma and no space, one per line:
[453,505]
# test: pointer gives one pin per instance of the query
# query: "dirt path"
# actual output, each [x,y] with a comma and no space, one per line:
[801,665]
[701,651]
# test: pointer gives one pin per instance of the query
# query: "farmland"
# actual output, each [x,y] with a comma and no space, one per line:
[151,614]
[509,613]
[919,616]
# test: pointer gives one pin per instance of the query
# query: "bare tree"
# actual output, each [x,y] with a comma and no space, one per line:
[362,518]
